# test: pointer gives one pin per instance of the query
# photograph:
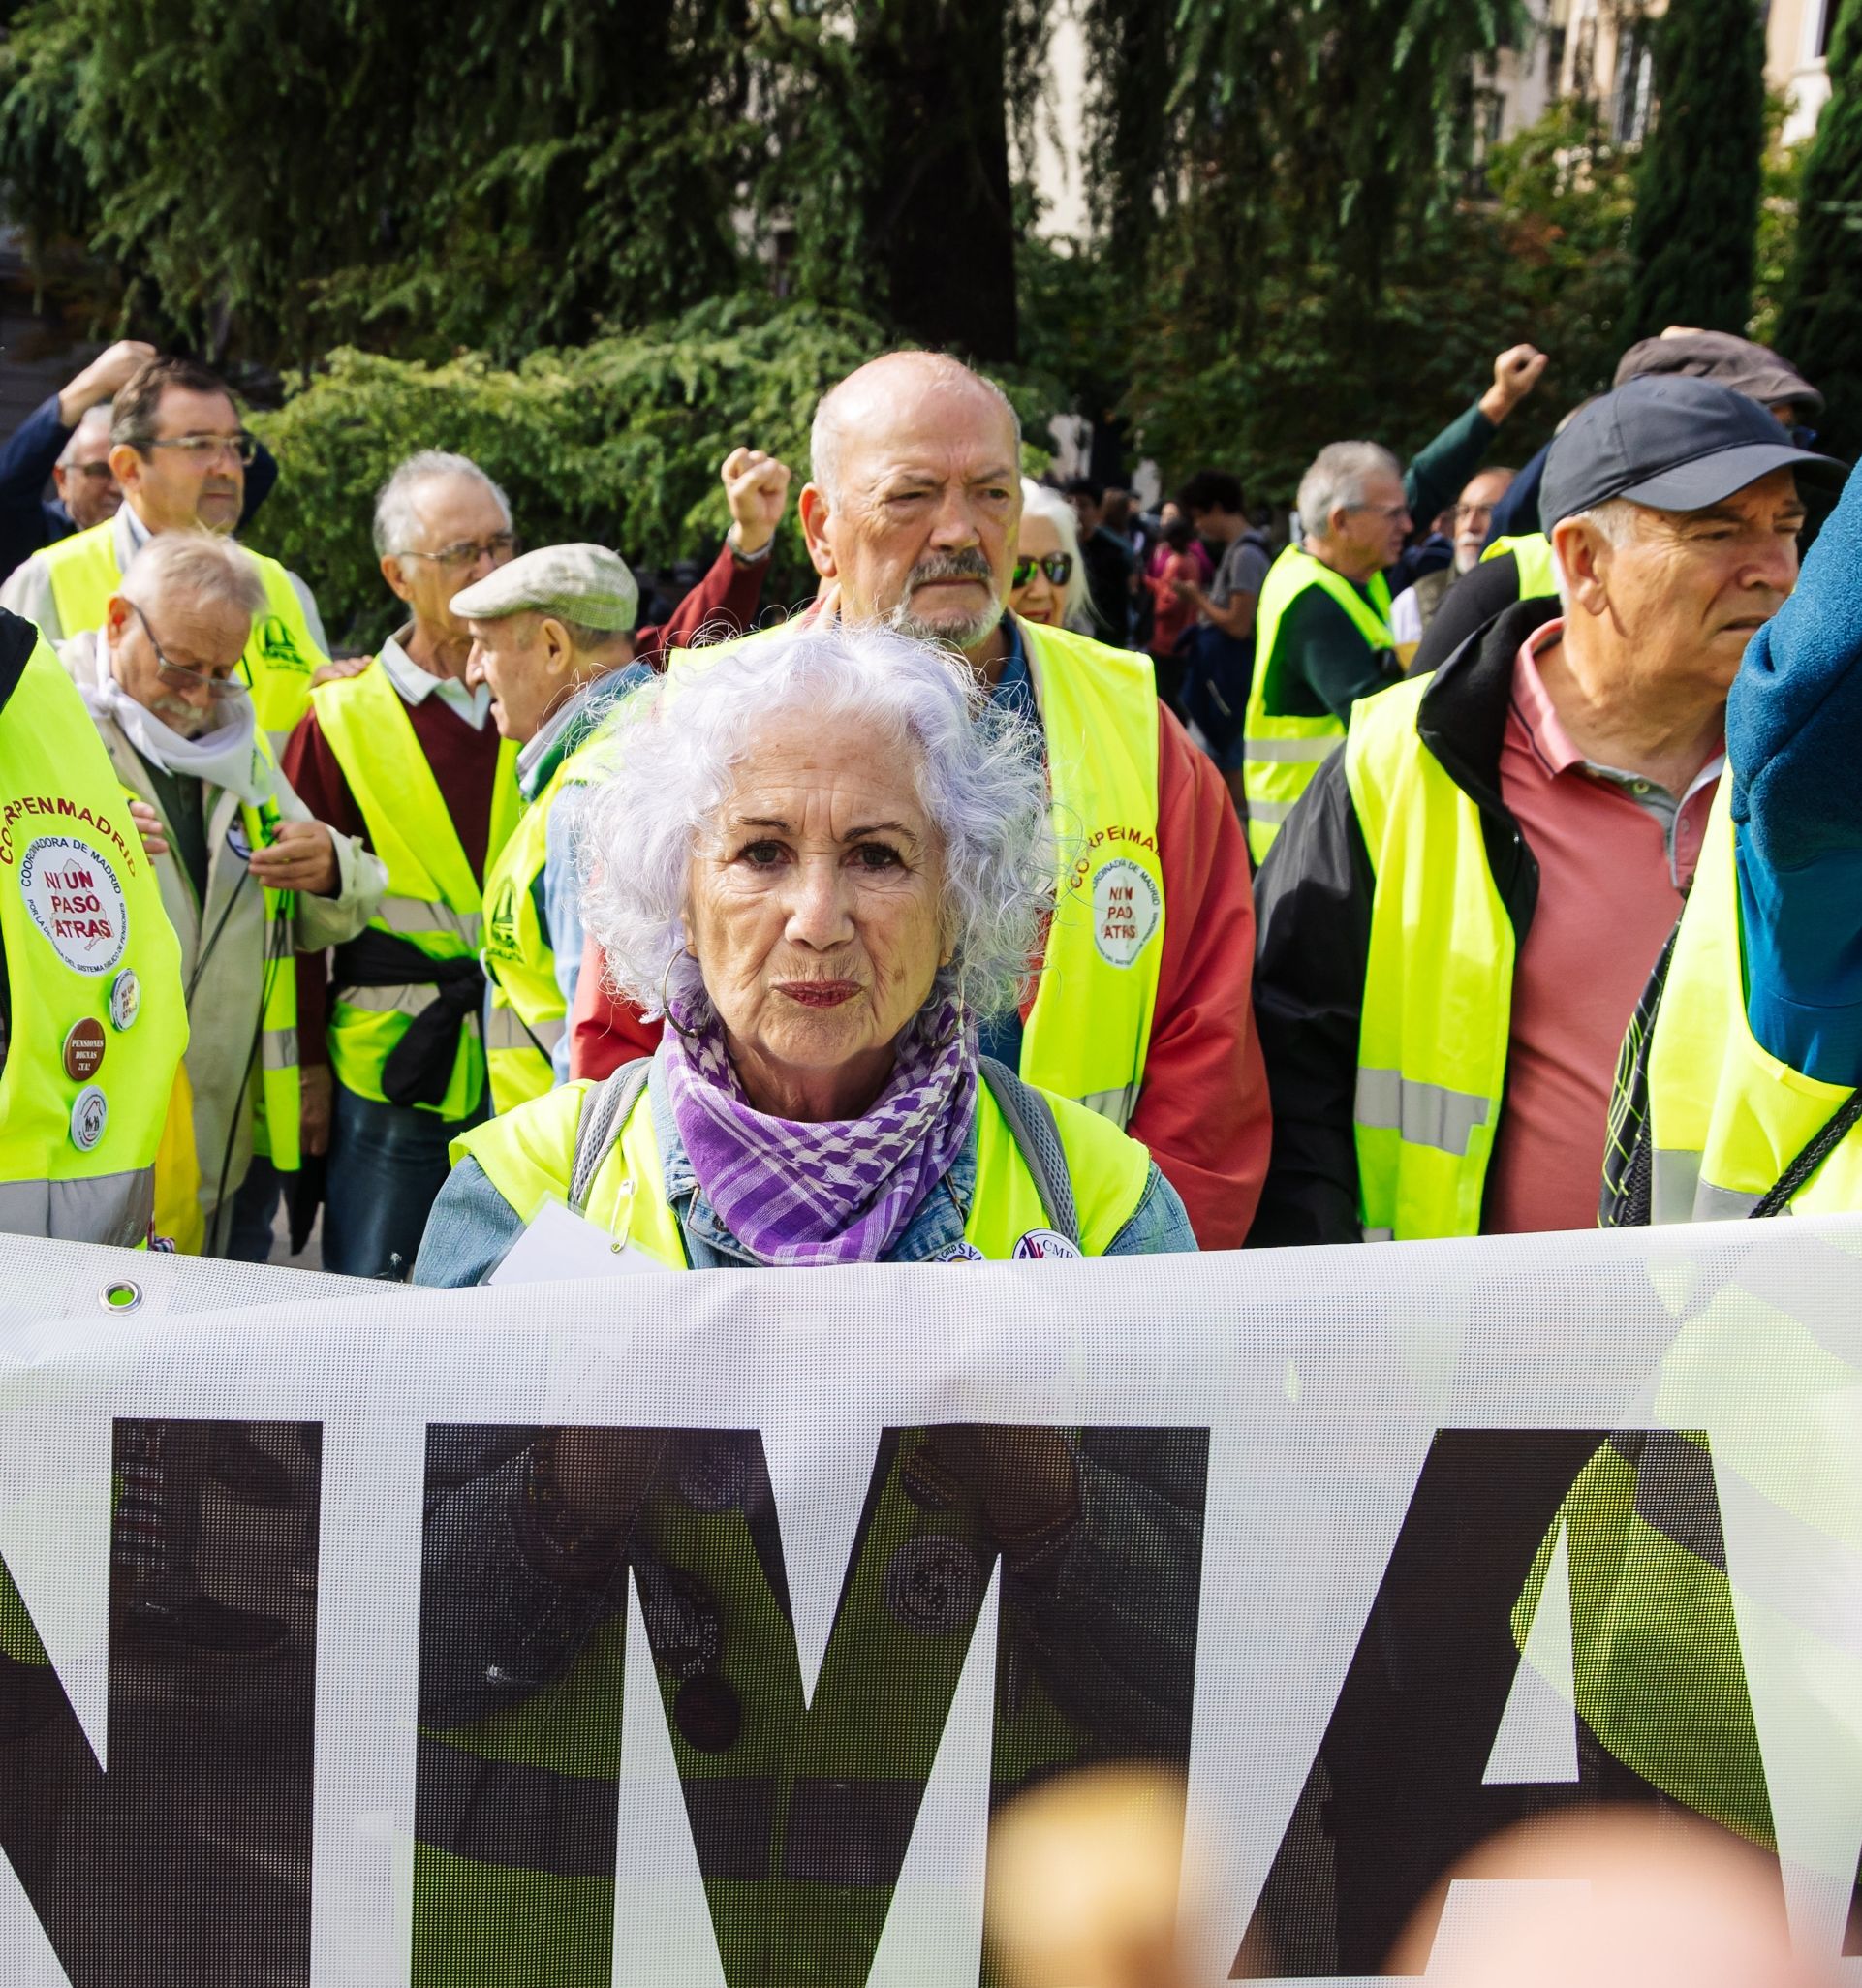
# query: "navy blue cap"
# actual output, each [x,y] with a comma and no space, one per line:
[1671,442]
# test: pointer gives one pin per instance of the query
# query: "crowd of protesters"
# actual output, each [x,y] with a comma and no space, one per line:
[1466,854]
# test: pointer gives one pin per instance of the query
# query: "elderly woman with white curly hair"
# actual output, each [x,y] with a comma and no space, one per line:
[824,862]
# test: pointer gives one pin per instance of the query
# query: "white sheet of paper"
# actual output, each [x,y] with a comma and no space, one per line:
[560,1243]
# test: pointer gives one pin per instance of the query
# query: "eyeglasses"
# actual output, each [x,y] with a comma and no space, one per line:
[499,547]
[203,448]
[176,677]
[1388,513]
[1057,566]
[1474,513]
[96,472]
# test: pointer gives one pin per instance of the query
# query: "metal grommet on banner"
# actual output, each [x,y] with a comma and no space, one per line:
[933,1584]
[122,1295]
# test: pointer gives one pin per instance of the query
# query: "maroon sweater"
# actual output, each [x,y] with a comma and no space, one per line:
[465,763]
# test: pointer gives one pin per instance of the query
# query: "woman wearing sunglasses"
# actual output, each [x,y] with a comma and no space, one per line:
[1048,584]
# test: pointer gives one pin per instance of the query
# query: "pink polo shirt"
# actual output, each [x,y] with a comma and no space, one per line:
[1615,852]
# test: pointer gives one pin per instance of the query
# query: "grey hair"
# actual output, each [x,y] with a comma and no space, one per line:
[1337,479]
[200,564]
[675,753]
[395,502]
[1614,520]
[825,432]
[1038,500]
[92,417]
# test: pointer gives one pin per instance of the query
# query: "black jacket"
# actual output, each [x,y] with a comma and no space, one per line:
[1313,913]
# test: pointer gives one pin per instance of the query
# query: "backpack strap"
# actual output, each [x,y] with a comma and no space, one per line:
[1031,1122]
[606,1107]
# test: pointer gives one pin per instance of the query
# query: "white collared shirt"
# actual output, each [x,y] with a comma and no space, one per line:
[415,684]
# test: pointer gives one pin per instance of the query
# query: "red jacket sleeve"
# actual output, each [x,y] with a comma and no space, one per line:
[316,780]
[604,1033]
[723,603]
[1203,1108]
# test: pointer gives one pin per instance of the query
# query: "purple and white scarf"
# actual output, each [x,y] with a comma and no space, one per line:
[839,1192]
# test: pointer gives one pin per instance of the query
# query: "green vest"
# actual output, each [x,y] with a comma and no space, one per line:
[525,1014]
[1437,1010]
[87,945]
[278,661]
[1532,555]
[433,898]
[1088,1034]
[780,1815]
[1280,755]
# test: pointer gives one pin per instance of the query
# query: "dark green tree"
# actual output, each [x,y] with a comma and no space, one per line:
[1696,209]
[1820,323]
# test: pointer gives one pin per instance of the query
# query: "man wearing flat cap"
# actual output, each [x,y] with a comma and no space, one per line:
[552,640]
[1459,917]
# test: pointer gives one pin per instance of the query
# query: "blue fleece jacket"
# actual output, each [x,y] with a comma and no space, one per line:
[1794,747]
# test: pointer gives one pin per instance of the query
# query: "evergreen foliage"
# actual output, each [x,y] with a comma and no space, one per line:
[1821,321]
[1696,209]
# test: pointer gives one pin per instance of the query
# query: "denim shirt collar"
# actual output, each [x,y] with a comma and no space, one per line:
[937,1228]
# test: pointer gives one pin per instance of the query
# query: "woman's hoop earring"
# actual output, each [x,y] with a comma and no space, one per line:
[666,1006]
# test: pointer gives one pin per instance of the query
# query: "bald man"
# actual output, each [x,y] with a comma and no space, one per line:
[1141,1006]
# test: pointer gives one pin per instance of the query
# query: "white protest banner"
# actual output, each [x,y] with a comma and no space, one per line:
[674,1630]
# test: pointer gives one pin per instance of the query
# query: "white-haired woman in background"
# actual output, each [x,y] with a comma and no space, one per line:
[825,860]
[1048,584]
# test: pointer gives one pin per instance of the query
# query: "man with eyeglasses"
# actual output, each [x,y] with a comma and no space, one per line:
[65,439]
[248,878]
[402,752]
[1412,610]
[1323,625]
[180,454]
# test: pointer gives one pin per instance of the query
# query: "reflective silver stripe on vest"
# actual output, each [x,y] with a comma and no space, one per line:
[532,1818]
[106,1208]
[278,1049]
[1421,1115]
[1268,811]
[408,1000]
[1723,1204]
[410,915]
[1674,1175]
[1292,751]
[1380,1236]
[1118,1106]
[1674,1491]
[506,1029]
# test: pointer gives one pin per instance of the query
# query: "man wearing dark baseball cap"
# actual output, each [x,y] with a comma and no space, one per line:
[1458,919]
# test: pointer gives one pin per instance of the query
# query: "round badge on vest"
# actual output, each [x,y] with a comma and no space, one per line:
[237,840]
[89,1114]
[1041,1245]
[83,1049]
[77,901]
[965,1252]
[708,1714]
[1126,907]
[125,999]
[933,1585]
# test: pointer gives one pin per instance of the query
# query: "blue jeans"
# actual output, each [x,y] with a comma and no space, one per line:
[387,1165]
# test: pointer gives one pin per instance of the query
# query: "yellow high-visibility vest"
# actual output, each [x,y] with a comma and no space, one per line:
[1532,555]
[1437,1013]
[279,660]
[98,1020]
[1280,753]
[433,899]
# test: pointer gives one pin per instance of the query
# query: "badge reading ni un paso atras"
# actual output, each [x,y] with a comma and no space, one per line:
[1127,906]
[76,901]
